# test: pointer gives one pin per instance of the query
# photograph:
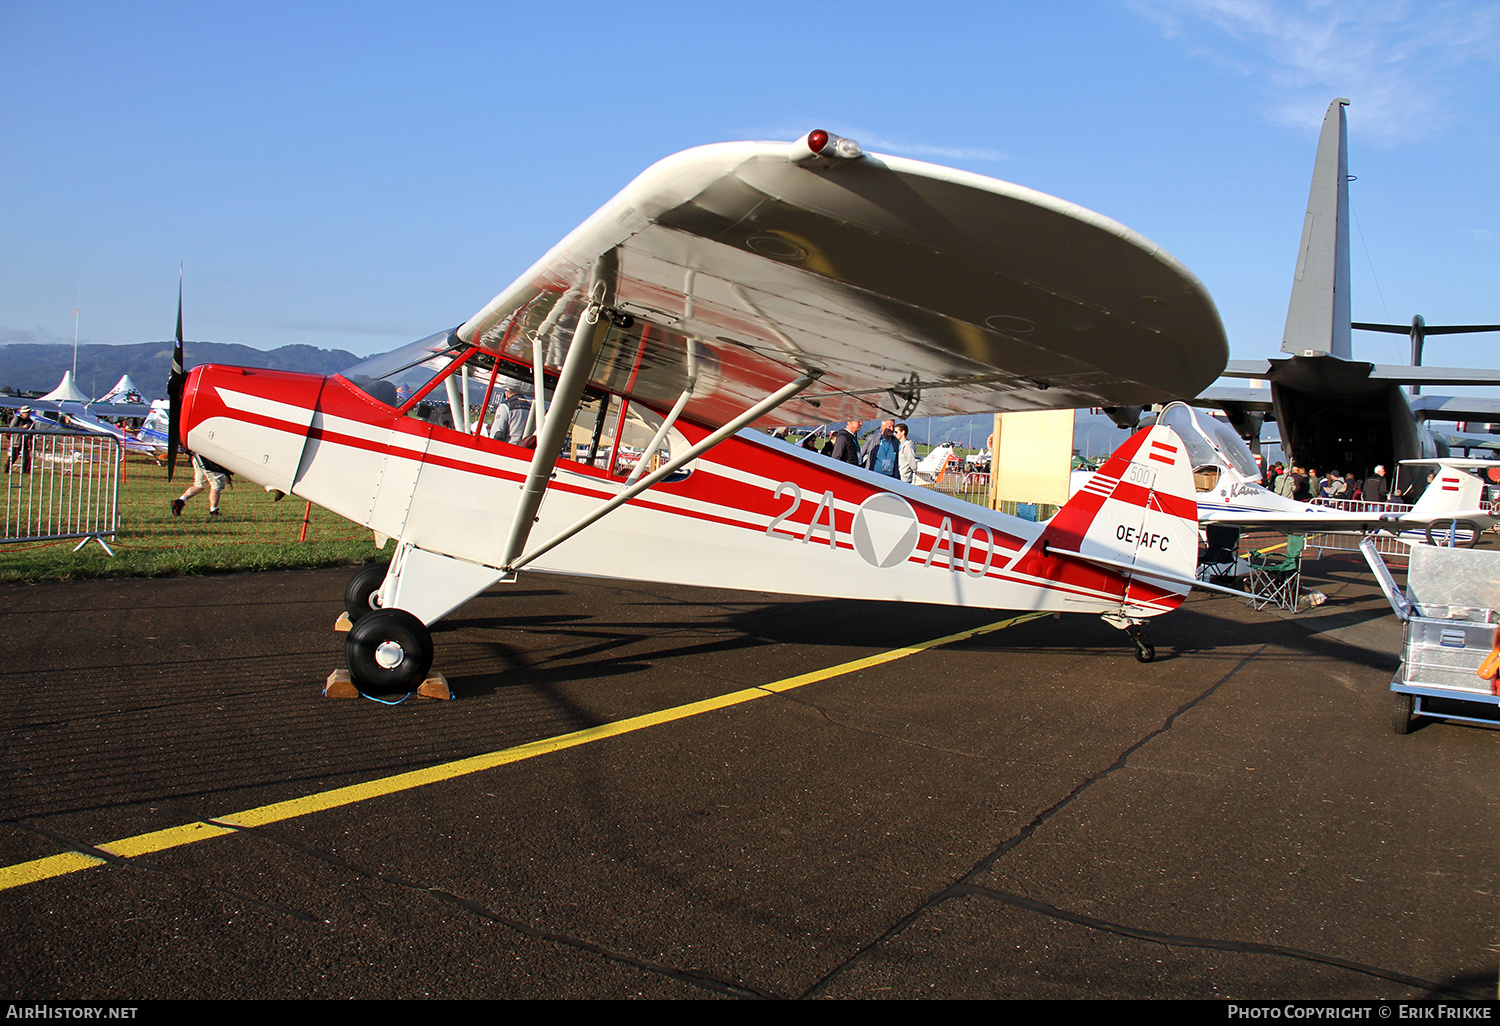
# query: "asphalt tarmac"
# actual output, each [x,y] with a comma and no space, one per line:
[1023,813]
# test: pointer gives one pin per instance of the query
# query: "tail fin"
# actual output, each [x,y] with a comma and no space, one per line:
[1139,510]
[1449,491]
[1317,317]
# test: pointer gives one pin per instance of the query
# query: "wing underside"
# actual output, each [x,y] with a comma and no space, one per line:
[911,290]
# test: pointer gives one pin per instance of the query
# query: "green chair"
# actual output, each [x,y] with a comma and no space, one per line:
[1276,578]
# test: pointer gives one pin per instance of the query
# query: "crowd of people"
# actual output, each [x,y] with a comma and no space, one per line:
[888,451]
[1305,484]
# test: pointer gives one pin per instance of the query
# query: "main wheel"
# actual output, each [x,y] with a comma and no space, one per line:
[1144,653]
[361,596]
[1401,713]
[388,650]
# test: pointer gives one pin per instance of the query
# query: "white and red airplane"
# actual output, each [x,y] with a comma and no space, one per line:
[750,283]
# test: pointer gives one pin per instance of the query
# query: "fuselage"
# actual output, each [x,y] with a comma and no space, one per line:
[753,513]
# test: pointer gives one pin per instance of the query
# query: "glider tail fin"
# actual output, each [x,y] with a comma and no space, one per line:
[1449,491]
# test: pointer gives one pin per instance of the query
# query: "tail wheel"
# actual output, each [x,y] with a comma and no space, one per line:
[1144,653]
[361,597]
[388,650]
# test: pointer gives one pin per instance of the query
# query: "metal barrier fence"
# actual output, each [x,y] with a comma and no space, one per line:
[974,486]
[60,484]
[967,485]
[73,488]
[1394,547]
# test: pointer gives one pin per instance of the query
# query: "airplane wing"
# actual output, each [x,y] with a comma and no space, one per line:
[1456,407]
[1243,398]
[1341,522]
[71,407]
[1402,374]
[907,288]
[1453,494]
[1396,373]
[1464,440]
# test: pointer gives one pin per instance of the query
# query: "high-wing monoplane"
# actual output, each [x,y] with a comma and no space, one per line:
[743,284]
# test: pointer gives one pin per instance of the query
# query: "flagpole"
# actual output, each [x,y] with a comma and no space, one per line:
[75,330]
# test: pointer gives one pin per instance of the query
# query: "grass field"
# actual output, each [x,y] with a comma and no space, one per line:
[252,533]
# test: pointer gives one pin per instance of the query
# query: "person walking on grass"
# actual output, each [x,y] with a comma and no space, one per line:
[206,474]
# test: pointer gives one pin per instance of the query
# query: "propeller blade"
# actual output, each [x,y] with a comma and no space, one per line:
[175,380]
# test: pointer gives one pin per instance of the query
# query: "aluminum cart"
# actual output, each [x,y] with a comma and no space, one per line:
[1450,618]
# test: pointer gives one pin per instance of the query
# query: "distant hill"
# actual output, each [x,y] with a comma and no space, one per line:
[32,367]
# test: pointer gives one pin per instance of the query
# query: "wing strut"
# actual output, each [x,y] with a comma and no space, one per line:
[751,415]
[538,343]
[666,425]
[588,338]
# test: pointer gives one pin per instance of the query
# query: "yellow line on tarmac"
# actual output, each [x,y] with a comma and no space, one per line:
[190,833]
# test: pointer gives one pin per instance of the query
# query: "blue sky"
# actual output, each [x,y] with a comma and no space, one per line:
[358,175]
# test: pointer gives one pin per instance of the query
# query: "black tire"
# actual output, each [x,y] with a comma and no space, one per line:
[1144,653]
[359,595]
[388,650]
[1401,713]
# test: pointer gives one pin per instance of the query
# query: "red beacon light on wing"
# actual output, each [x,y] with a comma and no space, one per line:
[824,149]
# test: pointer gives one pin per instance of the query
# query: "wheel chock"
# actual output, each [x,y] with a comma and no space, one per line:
[343,623]
[340,686]
[435,686]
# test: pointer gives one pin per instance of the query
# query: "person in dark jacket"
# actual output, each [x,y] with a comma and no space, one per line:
[20,443]
[846,443]
[1375,486]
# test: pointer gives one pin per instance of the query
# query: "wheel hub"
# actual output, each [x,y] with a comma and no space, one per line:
[388,655]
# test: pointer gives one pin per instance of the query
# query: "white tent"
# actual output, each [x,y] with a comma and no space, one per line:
[124,391]
[66,391]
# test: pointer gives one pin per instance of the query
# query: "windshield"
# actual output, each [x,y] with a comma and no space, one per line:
[1210,442]
[392,377]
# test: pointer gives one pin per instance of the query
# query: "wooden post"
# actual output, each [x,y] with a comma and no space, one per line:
[995,464]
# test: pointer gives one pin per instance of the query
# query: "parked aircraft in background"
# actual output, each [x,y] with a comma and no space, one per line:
[933,467]
[1227,482]
[51,408]
[1330,409]
[752,283]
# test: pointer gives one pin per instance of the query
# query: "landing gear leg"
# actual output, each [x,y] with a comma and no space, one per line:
[1132,627]
[1144,653]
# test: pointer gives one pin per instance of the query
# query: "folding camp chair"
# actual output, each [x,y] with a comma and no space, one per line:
[1220,557]
[1276,578]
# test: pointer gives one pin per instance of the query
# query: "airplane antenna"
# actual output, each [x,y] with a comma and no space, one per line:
[1366,247]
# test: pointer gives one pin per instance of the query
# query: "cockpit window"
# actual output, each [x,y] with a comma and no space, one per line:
[392,377]
[483,393]
[469,375]
[1210,441]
